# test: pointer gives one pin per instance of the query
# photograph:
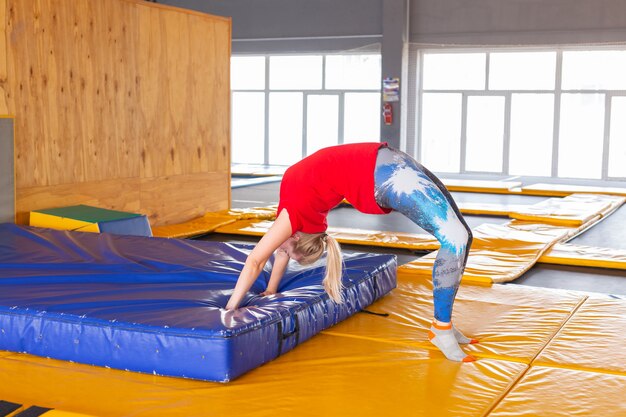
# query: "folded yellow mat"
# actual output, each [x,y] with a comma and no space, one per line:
[499,253]
[592,340]
[497,187]
[573,210]
[568,254]
[343,235]
[562,190]
[199,226]
[564,393]
[512,322]
[211,221]
[490,209]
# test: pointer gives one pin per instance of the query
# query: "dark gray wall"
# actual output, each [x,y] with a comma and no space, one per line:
[517,22]
[301,26]
[268,26]
[7,172]
[445,22]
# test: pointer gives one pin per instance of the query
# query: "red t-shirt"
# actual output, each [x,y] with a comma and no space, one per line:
[319,182]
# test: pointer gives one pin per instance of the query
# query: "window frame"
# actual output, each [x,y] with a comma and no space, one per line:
[508,94]
[340,93]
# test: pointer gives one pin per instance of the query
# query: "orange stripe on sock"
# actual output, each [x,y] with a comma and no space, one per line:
[469,358]
[431,335]
[473,341]
[440,327]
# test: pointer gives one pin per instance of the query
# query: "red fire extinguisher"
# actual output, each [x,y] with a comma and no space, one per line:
[387,114]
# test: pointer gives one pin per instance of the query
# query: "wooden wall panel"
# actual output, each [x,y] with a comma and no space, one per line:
[4,108]
[117,91]
[196,57]
[157,192]
[118,194]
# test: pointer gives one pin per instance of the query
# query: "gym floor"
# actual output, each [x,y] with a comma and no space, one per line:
[609,233]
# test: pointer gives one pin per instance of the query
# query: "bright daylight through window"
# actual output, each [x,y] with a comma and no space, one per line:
[287,107]
[548,113]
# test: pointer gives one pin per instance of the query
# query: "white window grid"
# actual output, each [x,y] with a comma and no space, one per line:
[340,93]
[507,94]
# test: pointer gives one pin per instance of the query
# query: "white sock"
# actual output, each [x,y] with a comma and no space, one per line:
[461,338]
[445,339]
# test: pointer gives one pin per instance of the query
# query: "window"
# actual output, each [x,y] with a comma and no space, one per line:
[285,107]
[485,129]
[441,131]
[247,133]
[529,113]
[617,138]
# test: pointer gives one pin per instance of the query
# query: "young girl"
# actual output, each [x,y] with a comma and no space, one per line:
[375,179]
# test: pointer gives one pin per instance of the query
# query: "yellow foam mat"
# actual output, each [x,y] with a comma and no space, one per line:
[512,323]
[253,227]
[211,221]
[594,339]
[20,410]
[481,186]
[205,224]
[564,392]
[325,376]
[578,255]
[573,210]
[499,253]
[490,209]
[562,190]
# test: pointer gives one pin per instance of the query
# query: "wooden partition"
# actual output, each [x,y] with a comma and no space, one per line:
[121,104]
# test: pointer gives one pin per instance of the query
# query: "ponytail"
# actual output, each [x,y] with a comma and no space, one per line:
[332,279]
[311,247]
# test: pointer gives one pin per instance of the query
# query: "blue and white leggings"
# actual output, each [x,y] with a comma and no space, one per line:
[404,185]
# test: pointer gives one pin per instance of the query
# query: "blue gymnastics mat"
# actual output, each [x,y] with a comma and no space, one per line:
[155,305]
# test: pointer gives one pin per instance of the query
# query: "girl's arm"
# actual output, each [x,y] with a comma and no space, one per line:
[275,236]
[281,260]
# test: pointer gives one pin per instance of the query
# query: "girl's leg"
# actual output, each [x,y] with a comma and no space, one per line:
[404,185]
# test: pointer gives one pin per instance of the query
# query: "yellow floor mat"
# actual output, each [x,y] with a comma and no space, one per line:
[490,209]
[573,210]
[511,324]
[370,365]
[564,392]
[499,253]
[11,409]
[562,190]
[593,339]
[326,376]
[195,227]
[578,255]
[481,186]
[400,240]
[212,221]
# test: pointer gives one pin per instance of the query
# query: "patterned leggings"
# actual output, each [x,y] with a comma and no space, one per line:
[404,185]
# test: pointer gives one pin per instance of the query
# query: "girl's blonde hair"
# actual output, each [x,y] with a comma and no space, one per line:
[311,246]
